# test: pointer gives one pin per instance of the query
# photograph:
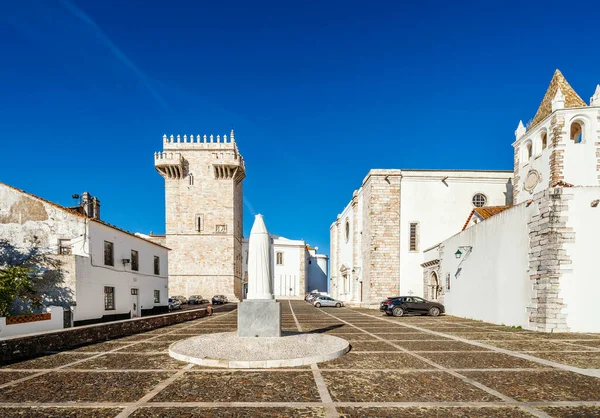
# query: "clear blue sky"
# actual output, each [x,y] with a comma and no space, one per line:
[318,92]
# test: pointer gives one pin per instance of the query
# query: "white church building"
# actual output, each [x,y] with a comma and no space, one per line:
[297,268]
[534,264]
[378,239]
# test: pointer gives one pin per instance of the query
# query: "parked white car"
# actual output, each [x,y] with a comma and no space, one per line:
[327,301]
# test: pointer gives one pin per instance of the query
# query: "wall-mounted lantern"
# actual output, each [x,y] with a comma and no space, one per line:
[459,253]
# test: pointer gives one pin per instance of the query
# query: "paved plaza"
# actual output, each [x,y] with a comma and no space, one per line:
[409,367]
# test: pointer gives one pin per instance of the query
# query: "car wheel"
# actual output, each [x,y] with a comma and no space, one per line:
[434,311]
[338,305]
[317,305]
[398,311]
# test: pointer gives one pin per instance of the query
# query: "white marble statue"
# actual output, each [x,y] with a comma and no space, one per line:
[259,262]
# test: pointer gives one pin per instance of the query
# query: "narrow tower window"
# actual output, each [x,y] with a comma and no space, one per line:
[413,243]
[544,140]
[191,176]
[577,132]
[280,259]
[529,150]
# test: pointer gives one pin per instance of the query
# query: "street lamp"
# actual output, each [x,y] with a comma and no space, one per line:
[459,253]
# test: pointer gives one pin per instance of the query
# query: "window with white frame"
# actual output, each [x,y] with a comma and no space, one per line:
[479,200]
[413,241]
[279,258]
[109,298]
[157,296]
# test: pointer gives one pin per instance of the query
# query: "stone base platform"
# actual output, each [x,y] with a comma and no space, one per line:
[227,350]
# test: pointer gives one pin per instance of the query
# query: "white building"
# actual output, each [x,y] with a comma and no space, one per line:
[534,264]
[377,240]
[110,273]
[297,268]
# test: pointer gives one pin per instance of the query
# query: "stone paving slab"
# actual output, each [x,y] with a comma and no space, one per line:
[239,386]
[401,387]
[372,346]
[528,386]
[438,346]
[47,362]
[358,360]
[125,361]
[433,412]
[83,387]
[220,412]
[478,360]
[572,411]
[52,412]
[6,377]
[584,360]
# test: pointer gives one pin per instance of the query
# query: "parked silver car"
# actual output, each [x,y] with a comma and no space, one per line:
[327,301]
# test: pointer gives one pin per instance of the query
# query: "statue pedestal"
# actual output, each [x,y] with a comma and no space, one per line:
[259,318]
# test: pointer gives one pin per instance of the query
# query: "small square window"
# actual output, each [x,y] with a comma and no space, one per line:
[64,246]
[157,296]
[109,298]
[156,265]
[135,262]
[109,254]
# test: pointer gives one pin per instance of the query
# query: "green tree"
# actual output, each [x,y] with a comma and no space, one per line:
[29,280]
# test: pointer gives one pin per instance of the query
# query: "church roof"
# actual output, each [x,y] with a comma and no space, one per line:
[485,213]
[572,99]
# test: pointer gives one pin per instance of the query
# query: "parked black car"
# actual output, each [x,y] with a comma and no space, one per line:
[400,305]
[196,300]
[219,299]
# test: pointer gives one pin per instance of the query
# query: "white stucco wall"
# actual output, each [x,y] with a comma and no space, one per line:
[317,272]
[493,284]
[93,275]
[440,209]
[287,276]
[580,286]
[56,321]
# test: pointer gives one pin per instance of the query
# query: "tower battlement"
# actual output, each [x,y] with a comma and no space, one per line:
[223,155]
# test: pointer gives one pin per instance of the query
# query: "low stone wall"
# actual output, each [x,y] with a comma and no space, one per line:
[23,347]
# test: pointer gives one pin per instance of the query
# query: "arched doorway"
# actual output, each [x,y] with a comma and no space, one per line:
[434,284]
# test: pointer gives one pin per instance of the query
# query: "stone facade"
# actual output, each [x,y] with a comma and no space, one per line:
[557,124]
[548,259]
[381,235]
[203,204]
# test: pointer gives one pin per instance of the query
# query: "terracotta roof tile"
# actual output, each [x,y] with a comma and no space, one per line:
[75,212]
[572,99]
[485,213]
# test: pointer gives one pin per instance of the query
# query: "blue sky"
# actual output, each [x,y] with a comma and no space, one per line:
[318,92]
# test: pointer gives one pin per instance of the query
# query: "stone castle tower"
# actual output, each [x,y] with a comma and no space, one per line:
[203,203]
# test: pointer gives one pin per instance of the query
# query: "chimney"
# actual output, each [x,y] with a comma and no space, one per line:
[96,208]
[86,204]
[90,205]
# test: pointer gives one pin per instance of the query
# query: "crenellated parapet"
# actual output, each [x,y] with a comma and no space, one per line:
[169,164]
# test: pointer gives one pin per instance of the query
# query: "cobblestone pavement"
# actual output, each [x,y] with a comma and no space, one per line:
[410,367]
